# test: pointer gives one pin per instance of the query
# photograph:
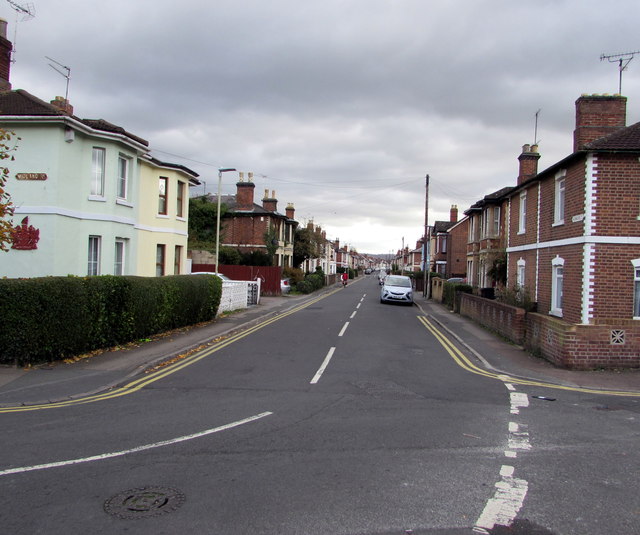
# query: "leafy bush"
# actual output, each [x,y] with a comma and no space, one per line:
[449,291]
[51,318]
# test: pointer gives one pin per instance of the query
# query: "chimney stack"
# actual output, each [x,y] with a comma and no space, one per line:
[5,57]
[244,194]
[453,214]
[290,211]
[63,105]
[598,116]
[270,203]
[528,163]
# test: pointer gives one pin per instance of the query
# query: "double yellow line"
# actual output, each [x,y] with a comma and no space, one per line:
[140,383]
[467,365]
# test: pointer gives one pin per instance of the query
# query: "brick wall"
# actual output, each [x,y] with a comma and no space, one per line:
[580,347]
[583,347]
[505,320]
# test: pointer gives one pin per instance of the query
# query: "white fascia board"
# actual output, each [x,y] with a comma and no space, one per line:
[75,214]
[73,123]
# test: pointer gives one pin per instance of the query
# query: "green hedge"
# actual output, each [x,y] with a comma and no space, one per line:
[311,282]
[449,291]
[52,318]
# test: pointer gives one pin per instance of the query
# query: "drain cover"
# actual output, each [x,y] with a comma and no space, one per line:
[145,502]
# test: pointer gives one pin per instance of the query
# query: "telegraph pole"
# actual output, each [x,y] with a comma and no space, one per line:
[425,244]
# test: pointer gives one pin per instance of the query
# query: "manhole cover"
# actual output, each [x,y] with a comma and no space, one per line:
[144,502]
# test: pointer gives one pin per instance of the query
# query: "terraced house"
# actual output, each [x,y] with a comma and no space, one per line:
[573,241]
[88,198]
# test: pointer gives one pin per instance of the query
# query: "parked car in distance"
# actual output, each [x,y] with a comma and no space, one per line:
[457,279]
[397,289]
[285,286]
[367,271]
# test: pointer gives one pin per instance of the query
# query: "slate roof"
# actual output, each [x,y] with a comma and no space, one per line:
[232,207]
[625,139]
[442,226]
[23,103]
[184,168]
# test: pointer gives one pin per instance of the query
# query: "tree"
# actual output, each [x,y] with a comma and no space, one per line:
[6,207]
[202,223]
[307,243]
[498,267]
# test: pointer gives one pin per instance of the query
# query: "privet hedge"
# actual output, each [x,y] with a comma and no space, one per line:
[52,318]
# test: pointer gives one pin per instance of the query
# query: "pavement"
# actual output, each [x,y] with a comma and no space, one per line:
[105,370]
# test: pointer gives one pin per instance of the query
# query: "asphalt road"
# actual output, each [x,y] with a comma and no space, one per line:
[344,416]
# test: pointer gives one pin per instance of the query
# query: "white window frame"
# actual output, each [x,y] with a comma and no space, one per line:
[557,286]
[559,201]
[496,221]
[124,166]
[636,288]
[522,218]
[163,196]
[120,256]
[94,255]
[98,165]
[520,273]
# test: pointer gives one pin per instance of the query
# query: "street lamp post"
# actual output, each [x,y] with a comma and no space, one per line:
[220,171]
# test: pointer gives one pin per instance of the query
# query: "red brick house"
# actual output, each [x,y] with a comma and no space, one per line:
[245,224]
[457,249]
[573,241]
[486,236]
[440,243]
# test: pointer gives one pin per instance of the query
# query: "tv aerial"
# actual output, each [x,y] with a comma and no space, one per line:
[62,70]
[28,12]
[622,60]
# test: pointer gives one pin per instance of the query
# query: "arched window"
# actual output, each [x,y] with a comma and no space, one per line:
[557,283]
[520,273]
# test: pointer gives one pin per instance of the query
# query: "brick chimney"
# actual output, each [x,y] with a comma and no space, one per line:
[597,116]
[453,214]
[290,211]
[5,57]
[270,203]
[244,193]
[528,163]
[62,104]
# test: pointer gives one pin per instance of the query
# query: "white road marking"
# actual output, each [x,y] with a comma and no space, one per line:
[344,328]
[353,315]
[358,305]
[506,502]
[121,453]
[325,363]
[518,400]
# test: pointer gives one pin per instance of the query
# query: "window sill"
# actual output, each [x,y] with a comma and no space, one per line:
[180,218]
[97,198]
[124,202]
[558,223]
[162,216]
[556,312]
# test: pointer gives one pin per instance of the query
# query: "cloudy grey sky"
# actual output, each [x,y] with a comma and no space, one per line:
[340,106]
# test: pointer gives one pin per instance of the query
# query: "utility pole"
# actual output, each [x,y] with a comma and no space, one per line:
[425,245]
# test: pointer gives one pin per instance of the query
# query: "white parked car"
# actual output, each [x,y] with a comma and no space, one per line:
[397,289]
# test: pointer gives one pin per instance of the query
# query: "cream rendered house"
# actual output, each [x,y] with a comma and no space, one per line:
[162,225]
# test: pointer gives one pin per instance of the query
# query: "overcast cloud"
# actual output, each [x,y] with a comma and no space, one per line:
[340,106]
